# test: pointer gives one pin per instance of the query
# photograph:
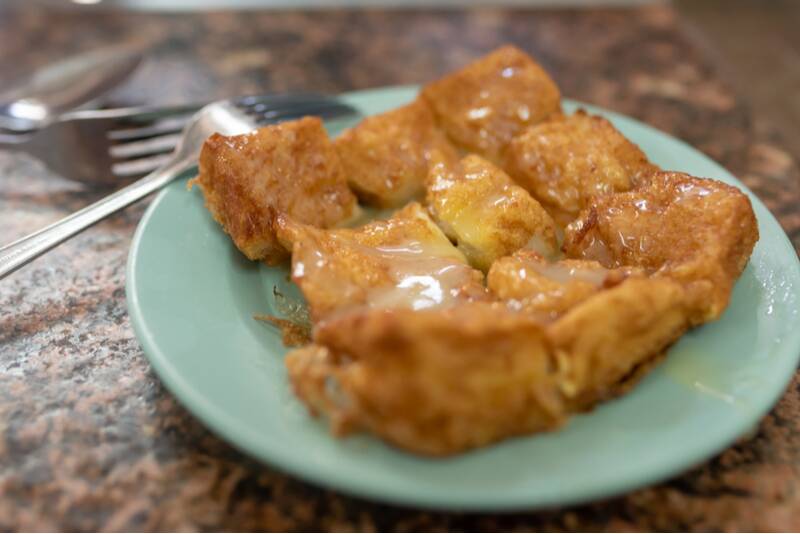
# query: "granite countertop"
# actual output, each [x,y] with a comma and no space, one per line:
[89,437]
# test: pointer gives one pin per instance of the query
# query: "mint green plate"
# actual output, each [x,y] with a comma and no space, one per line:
[192,297]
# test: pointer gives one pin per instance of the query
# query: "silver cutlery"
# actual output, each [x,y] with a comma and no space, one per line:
[228,117]
[64,86]
[100,147]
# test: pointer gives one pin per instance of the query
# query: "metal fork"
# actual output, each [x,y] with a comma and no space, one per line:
[226,117]
[100,147]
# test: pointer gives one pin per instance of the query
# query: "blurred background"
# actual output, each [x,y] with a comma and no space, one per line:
[752,44]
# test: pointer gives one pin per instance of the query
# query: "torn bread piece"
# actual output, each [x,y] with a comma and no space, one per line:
[484,105]
[290,169]
[566,161]
[434,382]
[402,262]
[386,157]
[697,231]
[600,343]
[486,214]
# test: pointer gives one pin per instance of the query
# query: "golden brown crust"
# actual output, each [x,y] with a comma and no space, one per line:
[428,381]
[485,213]
[485,104]
[600,342]
[386,157]
[404,261]
[444,380]
[566,161]
[290,168]
[697,231]
[529,283]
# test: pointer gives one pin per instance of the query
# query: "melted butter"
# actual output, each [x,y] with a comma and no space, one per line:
[441,287]
[315,260]
[690,369]
[412,266]
[412,251]
[423,275]
[410,248]
[565,274]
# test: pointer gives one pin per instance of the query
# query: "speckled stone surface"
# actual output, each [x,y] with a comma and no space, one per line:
[90,439]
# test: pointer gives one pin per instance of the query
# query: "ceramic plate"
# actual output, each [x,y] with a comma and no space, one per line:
[192,298]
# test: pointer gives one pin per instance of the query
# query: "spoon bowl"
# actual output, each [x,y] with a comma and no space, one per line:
[64,86]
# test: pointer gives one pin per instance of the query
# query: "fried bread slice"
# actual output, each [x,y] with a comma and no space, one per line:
[486,214]
[387,157]
[564,162]
[486,103]
[441,381]
[435,381]
[700,232]
[404,261]
[289,169]
[603,340]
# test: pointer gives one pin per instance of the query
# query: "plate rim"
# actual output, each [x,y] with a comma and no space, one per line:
[253,445]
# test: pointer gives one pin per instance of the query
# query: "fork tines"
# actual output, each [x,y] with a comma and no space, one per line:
[139,147]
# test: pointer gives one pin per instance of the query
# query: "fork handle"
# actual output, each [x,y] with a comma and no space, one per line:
[22,251]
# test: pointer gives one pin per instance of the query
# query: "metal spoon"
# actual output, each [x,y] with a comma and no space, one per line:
[63,86]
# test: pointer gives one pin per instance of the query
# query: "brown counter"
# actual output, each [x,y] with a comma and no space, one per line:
[91,440]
